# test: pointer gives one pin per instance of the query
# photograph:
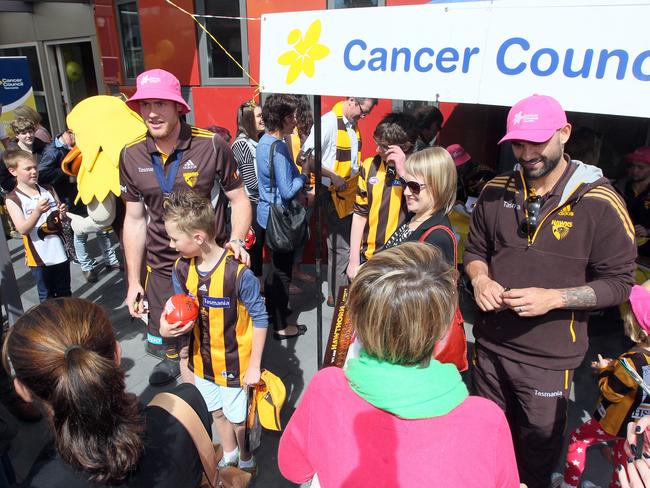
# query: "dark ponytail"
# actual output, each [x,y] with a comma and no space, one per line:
[63,351]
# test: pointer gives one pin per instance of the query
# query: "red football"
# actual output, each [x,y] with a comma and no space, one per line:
[181,308]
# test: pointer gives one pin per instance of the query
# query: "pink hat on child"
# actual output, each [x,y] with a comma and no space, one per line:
[157,84]
[458,154]
[534,119]
[640,301]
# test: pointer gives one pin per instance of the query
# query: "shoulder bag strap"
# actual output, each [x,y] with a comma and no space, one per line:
[426,233]
[181,410]
[271,173]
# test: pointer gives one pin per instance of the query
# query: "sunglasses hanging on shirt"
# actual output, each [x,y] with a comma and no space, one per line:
[532,207]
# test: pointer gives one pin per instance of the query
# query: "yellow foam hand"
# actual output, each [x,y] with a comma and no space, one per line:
[102,125]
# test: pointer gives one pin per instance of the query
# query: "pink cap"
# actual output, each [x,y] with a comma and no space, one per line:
[534,119]
[641,154]
[640,301]
[157,84]
[458,154]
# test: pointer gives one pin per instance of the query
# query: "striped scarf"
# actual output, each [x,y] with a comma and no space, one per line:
[343,163]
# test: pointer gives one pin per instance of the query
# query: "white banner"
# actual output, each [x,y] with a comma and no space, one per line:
[592,56]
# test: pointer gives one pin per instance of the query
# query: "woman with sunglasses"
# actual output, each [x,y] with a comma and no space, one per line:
[429,187]
[249,127]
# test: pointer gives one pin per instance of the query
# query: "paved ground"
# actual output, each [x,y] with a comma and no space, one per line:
[295,361]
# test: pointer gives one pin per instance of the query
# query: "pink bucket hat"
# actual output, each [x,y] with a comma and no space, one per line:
[534,119]
[157,84]
[641,154]
[640,301]
[458,154]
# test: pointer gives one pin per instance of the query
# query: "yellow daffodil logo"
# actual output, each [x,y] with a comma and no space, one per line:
[305,51]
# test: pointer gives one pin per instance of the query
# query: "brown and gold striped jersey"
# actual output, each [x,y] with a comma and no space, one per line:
[220,344]
[381,201]
[621,399]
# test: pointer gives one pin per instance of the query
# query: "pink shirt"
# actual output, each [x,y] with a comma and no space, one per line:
[350,443]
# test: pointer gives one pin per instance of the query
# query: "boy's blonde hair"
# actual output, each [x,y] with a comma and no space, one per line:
[190,212]
[631,326]
[13,156]
[402,301]
[436,167]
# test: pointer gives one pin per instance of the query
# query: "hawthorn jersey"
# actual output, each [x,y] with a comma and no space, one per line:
[44,243]
[220,344]
[380,199]
[207,166]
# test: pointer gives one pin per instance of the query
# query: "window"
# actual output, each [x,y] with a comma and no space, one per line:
[130,39]
[216,67]
[332,4]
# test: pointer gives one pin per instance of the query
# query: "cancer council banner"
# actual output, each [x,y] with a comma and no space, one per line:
[592,56]
[15,87]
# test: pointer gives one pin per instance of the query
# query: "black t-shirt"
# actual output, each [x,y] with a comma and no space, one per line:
[438,238]
[169,460]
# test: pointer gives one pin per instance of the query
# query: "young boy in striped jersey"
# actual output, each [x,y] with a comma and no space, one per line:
[226,342]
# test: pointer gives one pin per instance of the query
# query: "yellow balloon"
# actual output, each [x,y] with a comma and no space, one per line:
[74,71]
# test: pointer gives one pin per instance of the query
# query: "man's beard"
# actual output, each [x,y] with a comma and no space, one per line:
[548,165]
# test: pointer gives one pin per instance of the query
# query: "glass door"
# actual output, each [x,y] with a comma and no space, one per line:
[75,72]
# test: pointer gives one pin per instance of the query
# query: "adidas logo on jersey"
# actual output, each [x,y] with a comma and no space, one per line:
[203,287]
[189,165]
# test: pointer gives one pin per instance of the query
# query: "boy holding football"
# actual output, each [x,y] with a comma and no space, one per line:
[227,340]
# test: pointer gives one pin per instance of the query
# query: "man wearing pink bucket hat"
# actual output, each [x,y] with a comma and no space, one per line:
[171,157]
[547,242]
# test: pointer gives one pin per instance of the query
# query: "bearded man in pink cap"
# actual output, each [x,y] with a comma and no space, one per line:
[171,157]
[548,241]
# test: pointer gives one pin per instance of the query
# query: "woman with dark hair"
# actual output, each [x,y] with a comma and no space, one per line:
[304,123]
[279,115]
[65,358]
[395,416]
[249,127]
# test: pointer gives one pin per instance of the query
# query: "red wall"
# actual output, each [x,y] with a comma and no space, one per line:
[169,39]
[106,27]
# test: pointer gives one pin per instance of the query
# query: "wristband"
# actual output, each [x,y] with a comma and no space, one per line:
[241,242]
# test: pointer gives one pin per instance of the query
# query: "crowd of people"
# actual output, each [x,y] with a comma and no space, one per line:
[549,241]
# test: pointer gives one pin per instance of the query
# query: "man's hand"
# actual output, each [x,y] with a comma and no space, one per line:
[487,293]
[397,156]
[532,302]
[252,376]
[338,182]
[240,252]
[175,329]
[640,231]
[63,210]
[136,307]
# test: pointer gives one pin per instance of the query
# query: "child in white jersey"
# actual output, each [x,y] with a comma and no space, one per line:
[36,212]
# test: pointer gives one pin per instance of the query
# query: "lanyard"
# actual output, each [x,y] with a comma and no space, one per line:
[166,182]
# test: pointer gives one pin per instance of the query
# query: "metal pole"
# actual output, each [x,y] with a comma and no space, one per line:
[319,221]
[8,286]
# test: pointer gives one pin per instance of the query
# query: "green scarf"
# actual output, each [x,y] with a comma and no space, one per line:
[410,392]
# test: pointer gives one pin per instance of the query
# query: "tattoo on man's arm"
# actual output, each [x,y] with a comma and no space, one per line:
[579,298]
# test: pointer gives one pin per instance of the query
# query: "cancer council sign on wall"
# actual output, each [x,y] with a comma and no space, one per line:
[15,87]
[593,56]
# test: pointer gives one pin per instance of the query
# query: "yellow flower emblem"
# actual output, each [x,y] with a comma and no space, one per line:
[305,51]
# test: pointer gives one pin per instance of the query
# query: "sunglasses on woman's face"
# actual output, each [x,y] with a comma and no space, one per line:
[414,186]
[532,205]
